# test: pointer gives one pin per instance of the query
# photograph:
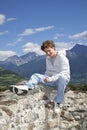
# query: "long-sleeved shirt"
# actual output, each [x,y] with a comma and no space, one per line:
[57,66]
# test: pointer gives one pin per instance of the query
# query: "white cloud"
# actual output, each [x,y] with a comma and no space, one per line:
[2,19]
[43,28]
[64,45]
[27,32]
[29,47]
[57,36]
[15,42]
[4,32]
[30,31]
[5,54]
[82,35]
[11,19]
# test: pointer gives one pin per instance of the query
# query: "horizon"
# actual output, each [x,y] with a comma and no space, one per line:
[24,25]
[61,51]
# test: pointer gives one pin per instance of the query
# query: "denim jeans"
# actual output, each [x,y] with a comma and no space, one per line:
[60,84]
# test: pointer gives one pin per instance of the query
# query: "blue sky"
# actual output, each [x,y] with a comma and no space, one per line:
[25,24]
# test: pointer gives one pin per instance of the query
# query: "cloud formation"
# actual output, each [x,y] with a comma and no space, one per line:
[29,47]
[4,32]
[5,54]
[3,19]
[11,19]
[64,45]
[82,35]
[57,36]
[30,31]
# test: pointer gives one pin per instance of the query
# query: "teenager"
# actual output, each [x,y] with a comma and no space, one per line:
[57,72]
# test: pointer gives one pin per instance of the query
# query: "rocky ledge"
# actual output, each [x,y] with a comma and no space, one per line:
[34,111]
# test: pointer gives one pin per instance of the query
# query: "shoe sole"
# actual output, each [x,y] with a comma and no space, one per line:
[17,91]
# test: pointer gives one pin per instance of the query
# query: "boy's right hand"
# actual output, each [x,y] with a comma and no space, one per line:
[46,80]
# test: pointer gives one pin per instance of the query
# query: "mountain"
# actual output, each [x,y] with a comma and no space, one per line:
[78,63]
[35,66]
[33,63]
[17,61]
[12,63]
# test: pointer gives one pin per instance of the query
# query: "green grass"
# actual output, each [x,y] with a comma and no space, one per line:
[78,87]
[8,78]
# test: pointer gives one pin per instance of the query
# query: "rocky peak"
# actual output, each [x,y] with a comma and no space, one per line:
[20,60]
[34,111]
[78,49]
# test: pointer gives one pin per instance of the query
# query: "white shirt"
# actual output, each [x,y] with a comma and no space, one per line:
[58,66]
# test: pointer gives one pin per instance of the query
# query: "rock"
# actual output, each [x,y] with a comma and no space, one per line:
[35,111]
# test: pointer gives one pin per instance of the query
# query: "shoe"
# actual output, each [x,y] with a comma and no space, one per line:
[13,89]
[57,107]
[17,88]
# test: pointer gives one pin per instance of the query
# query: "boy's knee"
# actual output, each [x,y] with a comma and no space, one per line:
[61,78]
[62,81]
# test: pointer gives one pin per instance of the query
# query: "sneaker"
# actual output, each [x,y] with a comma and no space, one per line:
[18,88]
[57,107]
[13,89]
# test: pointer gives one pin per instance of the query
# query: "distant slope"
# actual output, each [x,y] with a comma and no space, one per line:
[7,78]
[78,63]
[19,60]
[36,66]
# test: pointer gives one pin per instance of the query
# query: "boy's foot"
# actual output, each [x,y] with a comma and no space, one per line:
[57,107]
[19,88]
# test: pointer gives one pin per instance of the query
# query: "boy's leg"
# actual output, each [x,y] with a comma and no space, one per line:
[49,89]
[34,80]
[61,83]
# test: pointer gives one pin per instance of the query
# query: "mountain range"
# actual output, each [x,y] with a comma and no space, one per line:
[31,63]
[78,63]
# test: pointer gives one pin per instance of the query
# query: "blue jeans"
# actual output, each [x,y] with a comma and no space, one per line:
[60,84]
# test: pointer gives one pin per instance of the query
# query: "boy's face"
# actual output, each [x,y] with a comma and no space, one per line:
[50,51]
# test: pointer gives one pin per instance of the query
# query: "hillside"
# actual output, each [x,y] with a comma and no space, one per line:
[8,78]
[78,63]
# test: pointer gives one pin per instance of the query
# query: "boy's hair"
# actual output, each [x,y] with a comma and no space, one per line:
[47,44]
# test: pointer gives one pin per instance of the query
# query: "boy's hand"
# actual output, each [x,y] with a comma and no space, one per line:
[46,80]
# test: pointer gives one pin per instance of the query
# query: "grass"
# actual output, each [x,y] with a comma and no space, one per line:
[78,87]
[8,78]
